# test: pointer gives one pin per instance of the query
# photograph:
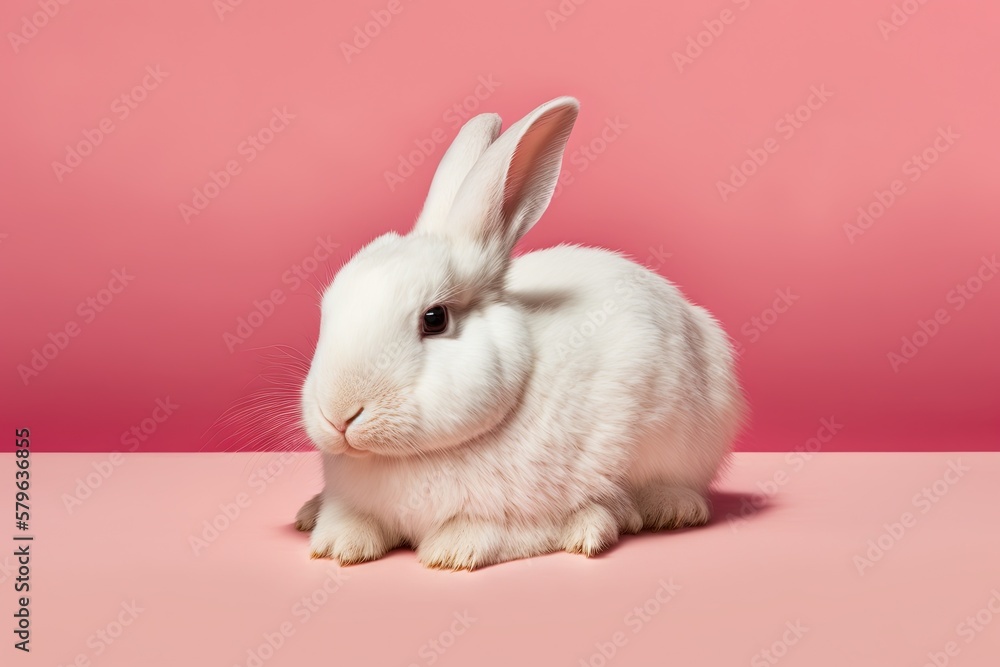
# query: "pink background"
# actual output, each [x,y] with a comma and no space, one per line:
[654,188]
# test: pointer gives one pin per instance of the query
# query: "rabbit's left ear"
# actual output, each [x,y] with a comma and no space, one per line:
[511,185]
[469,145]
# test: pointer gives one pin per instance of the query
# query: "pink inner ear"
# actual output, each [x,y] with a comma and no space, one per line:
[527,175]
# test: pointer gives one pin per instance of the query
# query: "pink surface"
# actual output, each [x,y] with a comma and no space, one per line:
[262,118]
[717,595]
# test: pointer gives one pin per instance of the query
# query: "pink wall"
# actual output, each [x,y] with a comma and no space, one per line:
[158,96]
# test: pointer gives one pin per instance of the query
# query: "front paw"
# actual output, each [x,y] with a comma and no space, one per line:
[461,544]
[305,518]
[347,537]
[590,530]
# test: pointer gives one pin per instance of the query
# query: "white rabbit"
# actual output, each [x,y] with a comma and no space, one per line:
[482,408]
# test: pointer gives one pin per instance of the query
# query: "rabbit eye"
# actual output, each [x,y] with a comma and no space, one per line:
[434,320]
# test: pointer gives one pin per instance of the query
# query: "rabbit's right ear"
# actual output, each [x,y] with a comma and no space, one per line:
[470,144]
[511,185]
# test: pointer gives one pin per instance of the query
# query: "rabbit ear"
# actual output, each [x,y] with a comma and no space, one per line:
[511,185]
[469,145]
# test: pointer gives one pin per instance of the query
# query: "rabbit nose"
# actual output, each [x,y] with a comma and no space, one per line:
[342,427]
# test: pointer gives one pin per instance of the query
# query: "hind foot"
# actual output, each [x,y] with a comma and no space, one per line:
[667,507]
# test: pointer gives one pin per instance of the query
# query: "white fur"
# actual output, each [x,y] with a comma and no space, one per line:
[575,395]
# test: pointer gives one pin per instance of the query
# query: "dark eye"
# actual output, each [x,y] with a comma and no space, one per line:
[434,321]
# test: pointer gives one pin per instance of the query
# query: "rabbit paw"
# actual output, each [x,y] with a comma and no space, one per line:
[590,530]
[460,544]
[305,518]
[666,507]
[347,537]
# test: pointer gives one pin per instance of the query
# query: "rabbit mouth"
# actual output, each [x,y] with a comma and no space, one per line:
[335,438]
[353,451]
